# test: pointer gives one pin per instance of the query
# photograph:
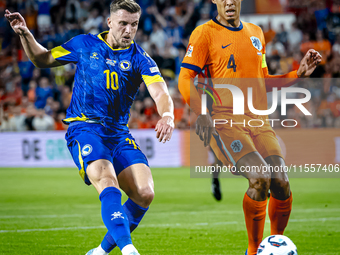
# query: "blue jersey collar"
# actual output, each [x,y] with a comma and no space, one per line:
[229,28]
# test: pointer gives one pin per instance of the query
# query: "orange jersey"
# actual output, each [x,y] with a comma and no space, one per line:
[216,51]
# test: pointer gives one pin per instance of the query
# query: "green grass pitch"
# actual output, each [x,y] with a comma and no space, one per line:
[50,211]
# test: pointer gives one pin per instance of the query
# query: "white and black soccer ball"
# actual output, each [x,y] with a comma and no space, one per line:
[277,245]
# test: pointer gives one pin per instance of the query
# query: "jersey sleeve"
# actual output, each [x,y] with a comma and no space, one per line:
[149,70]
[67,52]
[197,51]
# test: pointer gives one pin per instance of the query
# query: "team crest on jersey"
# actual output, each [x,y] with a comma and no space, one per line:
[86,150]
[189,51]
[236,146]
[125,65]
[256,43]
[94,55]
[111,62]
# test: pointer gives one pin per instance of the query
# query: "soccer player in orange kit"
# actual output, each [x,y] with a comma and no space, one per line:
[230,49]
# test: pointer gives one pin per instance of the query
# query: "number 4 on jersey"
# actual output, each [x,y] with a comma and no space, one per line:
[231,63]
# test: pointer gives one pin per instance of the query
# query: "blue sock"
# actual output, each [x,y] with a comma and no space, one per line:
[134,213]
[114,216]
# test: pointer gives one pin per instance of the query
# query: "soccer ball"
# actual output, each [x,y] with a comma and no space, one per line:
[277,245]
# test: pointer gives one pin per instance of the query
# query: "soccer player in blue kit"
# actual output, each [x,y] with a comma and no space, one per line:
[110,68]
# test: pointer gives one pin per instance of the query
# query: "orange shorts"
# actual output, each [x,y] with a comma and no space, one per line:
[237,140]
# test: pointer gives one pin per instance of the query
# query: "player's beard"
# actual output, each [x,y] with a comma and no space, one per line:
[125,43]
[122,44]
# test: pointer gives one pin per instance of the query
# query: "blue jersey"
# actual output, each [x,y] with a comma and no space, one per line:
[106,79]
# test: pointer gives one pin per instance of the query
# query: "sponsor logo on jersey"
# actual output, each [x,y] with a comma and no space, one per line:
[189,51]
[236,146]
[256,43]
[86,150]
[259,53]
[94,55]
[154,69]
[125,65]
[223,47]
[111,62]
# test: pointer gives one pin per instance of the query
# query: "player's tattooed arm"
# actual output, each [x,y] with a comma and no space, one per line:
[309,63]
[39,56]
[165,126]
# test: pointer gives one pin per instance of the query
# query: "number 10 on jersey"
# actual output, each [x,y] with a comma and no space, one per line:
[113,82]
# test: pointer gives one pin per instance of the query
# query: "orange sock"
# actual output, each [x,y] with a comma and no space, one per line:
[255,215]
[279,212]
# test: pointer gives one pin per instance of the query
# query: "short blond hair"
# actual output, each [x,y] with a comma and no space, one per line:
[128,5]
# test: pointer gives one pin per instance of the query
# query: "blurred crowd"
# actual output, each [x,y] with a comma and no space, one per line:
[317,26]
[37,99]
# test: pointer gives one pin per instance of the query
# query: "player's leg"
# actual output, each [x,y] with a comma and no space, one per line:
[235,147]
[136,181]
[103,177]
[215,182]
[280,202]
[255,199]
[93,159]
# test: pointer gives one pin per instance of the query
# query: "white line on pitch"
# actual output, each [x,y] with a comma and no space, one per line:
[316,219]
[49,229]
[41,216]
[310,210]
[161,225]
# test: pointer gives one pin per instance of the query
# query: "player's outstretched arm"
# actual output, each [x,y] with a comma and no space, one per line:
[39,56]
[165,126]
[307,67]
